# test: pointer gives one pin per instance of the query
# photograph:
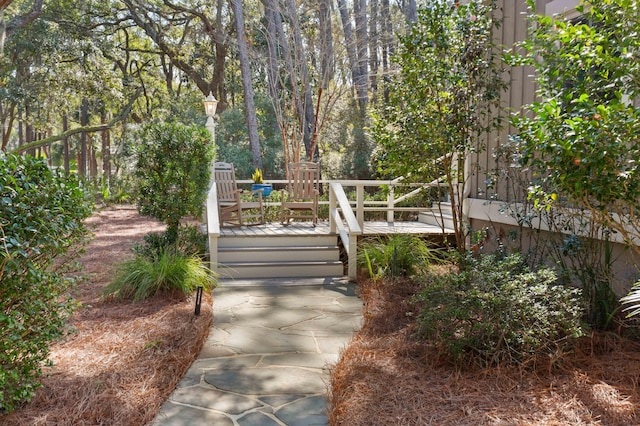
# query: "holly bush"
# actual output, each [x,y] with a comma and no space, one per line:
[173,172]
[582,134]
[41,228]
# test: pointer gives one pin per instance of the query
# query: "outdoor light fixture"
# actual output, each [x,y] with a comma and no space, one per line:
[210,105]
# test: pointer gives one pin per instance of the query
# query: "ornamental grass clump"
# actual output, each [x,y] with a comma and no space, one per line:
[495,310]
[398,256]
[169,273]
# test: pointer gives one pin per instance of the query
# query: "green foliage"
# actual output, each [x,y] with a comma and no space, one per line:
[632,300]
[397,256]
[582,134]
[190,242]
[443,101]
[173,171]
[498,310]
[580,248]
[170,272]
[233,140]
[41,228]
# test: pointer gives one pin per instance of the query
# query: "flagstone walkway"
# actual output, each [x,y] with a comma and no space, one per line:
[268,356]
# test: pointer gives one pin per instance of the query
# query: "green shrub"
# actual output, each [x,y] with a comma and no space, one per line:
[173,172]
[498,310]
[41,227]
[190,242]
[397,256]
[170,272]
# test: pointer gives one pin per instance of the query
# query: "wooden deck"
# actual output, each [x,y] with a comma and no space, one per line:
[305,228]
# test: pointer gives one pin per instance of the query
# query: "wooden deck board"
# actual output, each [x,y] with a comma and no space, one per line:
[305,228]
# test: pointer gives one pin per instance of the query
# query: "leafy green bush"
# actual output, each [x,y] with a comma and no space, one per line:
[173,171]
[41,225]
[170,272]
[397,256]
[190,242]
[497,309]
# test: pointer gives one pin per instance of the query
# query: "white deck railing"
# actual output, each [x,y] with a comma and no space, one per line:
[342,219]
[345,216]
[213,226]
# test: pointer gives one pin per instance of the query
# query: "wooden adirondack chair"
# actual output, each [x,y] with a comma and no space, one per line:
[233,210]
[300,199]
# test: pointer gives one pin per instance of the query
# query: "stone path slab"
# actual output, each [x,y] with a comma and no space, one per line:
[267,358]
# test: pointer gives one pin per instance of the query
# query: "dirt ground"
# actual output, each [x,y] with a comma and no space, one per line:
[386,377]
[120,360]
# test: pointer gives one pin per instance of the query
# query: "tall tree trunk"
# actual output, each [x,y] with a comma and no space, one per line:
[326,43]
[65,154]
[93,161]
[373,46]
[249,104]
[20,128]
[221,49]
[387,45]
[360,12]
[106,149]
[411,11]
[28,130]
[270,11]
[84,121]
[300,61]
[356,77]
[292,106]
[8,115]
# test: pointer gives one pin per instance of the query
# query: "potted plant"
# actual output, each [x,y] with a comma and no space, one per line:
[258,184]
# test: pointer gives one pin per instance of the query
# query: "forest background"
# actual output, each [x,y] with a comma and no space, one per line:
[293,79]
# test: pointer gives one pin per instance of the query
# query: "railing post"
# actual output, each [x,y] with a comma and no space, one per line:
[391,204]
[360,205]
[332,209]
[353,257]
[213,226]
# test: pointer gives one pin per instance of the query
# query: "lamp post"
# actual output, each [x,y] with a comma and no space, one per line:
[210,106]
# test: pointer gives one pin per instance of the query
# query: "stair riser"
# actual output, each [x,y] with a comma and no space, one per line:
[436,220]
[276,255]
[276,271]
[285,241]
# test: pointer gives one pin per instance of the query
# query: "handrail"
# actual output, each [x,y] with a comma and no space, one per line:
[361,205]
[213,225]
[345,216]
[349,233]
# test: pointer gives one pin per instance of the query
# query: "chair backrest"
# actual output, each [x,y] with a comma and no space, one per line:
[225,178]
[304,179]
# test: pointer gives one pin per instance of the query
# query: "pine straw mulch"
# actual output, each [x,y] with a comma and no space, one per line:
[120,360]
[385,377]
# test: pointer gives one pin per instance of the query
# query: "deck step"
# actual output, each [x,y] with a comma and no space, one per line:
[284,256]
[282,269]
[441,216]
[243,241]
[279,253]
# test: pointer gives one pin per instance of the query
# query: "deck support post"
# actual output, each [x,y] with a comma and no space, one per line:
[360,205]
[390,204]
